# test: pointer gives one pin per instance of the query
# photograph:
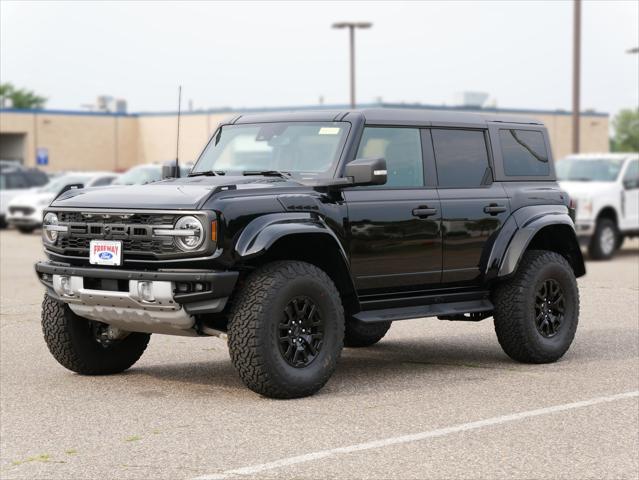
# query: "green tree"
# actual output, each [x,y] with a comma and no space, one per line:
[20,97]
[626,125]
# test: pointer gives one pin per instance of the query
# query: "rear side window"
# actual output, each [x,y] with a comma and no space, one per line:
[524,153]
[402,150]
[461,157]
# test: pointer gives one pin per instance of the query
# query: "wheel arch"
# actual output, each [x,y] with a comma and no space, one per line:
[608,212]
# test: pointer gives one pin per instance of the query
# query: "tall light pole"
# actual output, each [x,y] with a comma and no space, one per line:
[576,67]
[351,30]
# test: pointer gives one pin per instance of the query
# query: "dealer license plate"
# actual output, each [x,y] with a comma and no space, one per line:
[105,252]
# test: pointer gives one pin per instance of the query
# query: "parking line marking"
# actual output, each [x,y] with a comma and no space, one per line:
[413,437]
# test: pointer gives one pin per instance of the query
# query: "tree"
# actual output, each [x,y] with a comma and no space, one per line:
[626,125]
[20,97]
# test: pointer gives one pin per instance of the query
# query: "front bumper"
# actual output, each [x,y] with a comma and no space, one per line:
[584,229]
[164,301]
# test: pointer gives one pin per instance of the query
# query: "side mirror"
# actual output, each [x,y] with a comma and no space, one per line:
[631,183]
[66,188]
[169,170]
[366,171]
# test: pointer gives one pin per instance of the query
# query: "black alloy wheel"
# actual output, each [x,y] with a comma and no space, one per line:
[549,308]
[301,332]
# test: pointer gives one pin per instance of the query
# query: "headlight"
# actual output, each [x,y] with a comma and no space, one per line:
[50,228]
[585,205]
[192,236]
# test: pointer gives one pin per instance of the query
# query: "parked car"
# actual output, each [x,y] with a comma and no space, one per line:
[299,233]
[25,211]
[147,173]
[16,180]
[605,187]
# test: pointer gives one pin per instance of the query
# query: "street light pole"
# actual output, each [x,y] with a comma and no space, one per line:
[576,74]
[351,31]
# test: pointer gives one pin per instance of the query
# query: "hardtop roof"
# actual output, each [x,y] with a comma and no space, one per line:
[387,116]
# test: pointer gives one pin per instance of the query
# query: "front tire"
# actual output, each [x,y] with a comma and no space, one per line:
[537,310]
[286,330]
[604,241]
[73,342]
[359,334]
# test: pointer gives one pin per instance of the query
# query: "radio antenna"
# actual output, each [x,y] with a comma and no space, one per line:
[177,143]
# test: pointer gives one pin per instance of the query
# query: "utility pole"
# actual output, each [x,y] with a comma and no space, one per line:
[351,27]
[576,74]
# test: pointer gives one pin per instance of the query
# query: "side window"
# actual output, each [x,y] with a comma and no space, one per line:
[631,177]
[102,181]
[402,149]
[524,153]
[461,157]
[16,180]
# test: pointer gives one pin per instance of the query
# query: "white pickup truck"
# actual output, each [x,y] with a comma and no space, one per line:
[605,188]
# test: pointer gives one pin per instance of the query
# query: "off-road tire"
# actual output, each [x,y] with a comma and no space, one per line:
[514,314]
[597,249]
[360,334]
[253,333]
[72,343]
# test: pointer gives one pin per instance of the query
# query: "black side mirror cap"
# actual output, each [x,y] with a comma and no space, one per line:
[366,171]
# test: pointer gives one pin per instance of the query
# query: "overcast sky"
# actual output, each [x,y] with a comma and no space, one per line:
[276,54]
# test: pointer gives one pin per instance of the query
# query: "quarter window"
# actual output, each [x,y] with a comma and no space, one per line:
[402,150]
[462,158]
[524,153]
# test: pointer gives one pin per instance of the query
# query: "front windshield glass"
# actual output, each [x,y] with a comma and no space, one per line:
[589,170]
[139,175]
[309,149]
[54,186]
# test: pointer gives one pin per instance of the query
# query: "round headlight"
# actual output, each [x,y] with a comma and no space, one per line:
[50,236]
[195,230]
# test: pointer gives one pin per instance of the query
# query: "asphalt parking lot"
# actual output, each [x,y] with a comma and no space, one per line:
[434,399]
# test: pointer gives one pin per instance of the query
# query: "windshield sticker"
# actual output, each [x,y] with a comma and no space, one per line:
[329,131]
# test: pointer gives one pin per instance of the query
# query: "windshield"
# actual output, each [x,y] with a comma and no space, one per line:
[54,186]
[140,175]
[302,148]
[589,170]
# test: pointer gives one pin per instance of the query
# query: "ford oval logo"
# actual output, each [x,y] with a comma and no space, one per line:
[105,255]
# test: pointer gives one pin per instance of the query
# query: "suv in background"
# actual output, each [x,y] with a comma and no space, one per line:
[605,187]
[25,211]
[15,180]
[296,234]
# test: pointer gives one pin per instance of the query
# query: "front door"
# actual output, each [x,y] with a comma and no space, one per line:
[630,208]
[473,207]
[395,234]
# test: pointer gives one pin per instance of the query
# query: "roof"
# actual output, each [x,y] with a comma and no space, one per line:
[386,116]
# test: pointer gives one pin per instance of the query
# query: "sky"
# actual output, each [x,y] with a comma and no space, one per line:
[286,53]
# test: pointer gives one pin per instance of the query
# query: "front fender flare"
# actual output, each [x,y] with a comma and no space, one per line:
[264,231]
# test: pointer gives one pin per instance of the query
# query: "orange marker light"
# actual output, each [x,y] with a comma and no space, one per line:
[214,230]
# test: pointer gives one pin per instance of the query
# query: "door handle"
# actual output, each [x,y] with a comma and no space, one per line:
[494,209]
[424,211]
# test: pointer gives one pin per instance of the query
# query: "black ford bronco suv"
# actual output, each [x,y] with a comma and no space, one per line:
[296,234]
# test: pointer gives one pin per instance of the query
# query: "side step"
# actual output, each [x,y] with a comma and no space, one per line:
[452,311]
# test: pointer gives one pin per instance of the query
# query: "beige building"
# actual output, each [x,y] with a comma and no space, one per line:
[71,140]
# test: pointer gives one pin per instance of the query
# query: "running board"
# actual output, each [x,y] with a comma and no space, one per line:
[453,311]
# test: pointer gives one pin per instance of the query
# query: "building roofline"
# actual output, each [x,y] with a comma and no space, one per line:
[228,110]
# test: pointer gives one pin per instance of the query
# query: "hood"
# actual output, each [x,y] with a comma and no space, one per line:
[32,198]
[587,189]
[180,194]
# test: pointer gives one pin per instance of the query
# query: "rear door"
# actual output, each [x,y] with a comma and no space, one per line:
[630,197]
[395,234]
[473,206]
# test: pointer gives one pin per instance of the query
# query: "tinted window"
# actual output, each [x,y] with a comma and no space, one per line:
[402,149]
[524,153]
[102,181]
[13,180]
[631,177]
[461,156]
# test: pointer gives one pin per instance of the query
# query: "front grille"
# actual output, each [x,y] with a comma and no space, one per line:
[135,230]
[23,210]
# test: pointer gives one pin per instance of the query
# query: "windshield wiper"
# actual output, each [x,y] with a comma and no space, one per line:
[268,173]
[206,173]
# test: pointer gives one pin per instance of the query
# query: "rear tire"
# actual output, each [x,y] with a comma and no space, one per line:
[360,334]
[604,241]
[537,310]
[286,330]
[72,342]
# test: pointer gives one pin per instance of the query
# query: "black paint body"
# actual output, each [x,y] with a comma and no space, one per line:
[388,254]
